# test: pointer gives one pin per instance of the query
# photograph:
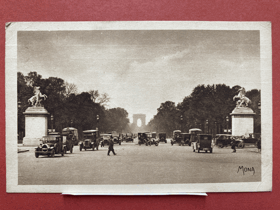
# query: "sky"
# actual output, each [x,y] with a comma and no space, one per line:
[140,69]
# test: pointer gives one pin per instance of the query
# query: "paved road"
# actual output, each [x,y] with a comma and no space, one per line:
[133,164]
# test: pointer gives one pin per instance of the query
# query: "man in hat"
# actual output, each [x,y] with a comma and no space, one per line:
[111,146]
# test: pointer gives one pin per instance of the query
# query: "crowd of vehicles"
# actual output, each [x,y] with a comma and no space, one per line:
[61,143]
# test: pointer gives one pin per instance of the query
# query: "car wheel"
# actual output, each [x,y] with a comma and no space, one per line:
[210,150]
[36,155]
[85,149]
[65,150]
[198,151]
[97,148]
[81,147]
[193,149]
[206,151]
[156,144]
[71,150]
[120,143]
[165,141]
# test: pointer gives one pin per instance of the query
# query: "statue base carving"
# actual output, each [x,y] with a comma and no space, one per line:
[36,124]
[242,121]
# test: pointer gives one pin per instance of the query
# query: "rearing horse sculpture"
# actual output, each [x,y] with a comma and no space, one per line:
[36,99]
[242,98]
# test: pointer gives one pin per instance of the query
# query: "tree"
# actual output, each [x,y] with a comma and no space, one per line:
[70,88]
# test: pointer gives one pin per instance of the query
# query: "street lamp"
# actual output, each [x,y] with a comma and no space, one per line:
[181,123]
[52,122]
[97,120]
[227,123]
[72,123]
[207,126]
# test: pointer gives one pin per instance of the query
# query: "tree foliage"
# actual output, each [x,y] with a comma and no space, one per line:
[68,107]
[206,108]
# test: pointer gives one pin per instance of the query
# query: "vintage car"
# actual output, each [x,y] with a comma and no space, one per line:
[75,134]
[177,138]
[105,137]
[90,140]
[250,140]
[162,137]
[186,138]
[51,145]
[143,138]
[203,143]
[223,140]
[129,137]
[68,139]
[152,137]
[194,132]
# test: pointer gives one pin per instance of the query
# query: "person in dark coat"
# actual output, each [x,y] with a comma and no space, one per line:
[111,146]
[233,145]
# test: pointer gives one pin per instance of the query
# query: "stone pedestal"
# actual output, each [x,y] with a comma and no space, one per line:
[242,121]
[36,124]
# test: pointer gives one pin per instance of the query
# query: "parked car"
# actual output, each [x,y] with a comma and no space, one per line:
[251,140]
[51,145]
[162,137]
[223,140]
[90,140]
[203,143]
[177,138]
[75,134]
[68,139]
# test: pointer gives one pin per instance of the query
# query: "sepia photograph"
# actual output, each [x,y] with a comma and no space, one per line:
[167,107]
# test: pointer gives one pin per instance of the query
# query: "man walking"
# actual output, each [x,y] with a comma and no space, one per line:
[111,146]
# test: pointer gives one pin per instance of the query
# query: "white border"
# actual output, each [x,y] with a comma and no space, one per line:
[149,189]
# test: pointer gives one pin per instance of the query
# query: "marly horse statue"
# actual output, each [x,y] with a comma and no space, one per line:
[36,99]
[243,100]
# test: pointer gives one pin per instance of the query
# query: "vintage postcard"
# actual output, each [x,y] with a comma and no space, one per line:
[138,108]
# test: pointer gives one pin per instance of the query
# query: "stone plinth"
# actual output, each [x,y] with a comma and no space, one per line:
[36,124]
[242,121]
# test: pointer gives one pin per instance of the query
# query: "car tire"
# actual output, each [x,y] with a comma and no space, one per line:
[71,150]
[165,141]
[198,151]
[81,147]
[193,150]
[210,150]
[85,149]
[36,155]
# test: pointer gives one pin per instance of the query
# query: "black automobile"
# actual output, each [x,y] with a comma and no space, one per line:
[162,137]
[177,138]
[143,139]
[51,145]
[90,140]
[223,140]
[129,137]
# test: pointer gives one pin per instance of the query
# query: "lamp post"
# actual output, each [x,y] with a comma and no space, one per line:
[227,123]
[181,123]
[215,132]
[207,126]
[97,121]
[52,122]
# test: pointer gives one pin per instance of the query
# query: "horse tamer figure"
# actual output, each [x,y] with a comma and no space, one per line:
[37,98]
[243,100]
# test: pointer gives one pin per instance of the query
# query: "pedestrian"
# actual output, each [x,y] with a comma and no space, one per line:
[111,146]
[259,145]
[233,145]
